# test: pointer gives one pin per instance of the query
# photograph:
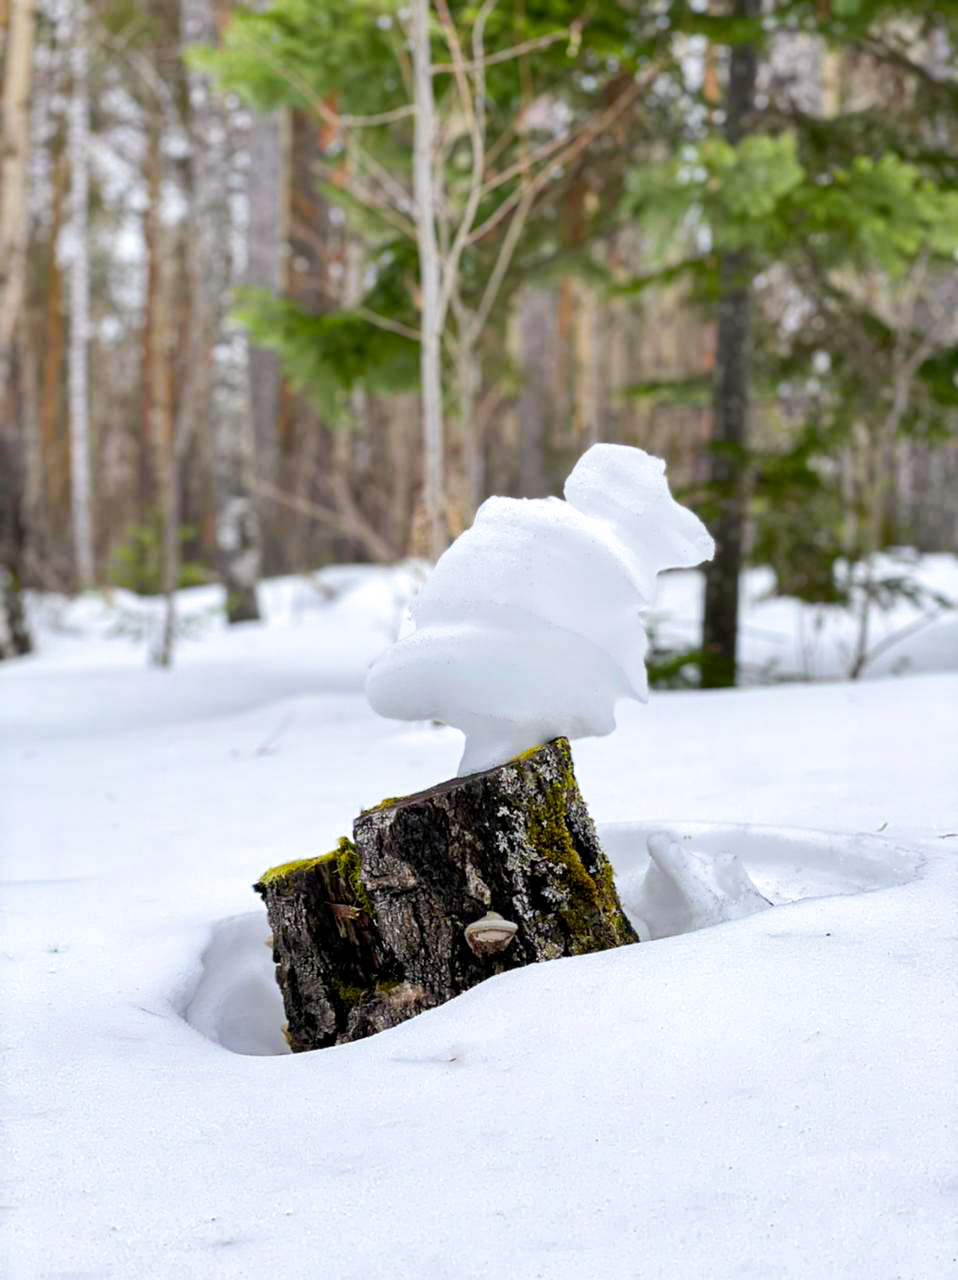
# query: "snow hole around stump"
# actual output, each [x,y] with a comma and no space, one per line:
[723,871]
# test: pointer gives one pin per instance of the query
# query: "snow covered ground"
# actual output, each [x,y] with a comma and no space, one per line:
[769,1097]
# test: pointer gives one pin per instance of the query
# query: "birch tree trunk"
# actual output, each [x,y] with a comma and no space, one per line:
[81,481]
[216,408]
[731,392]
[430,357]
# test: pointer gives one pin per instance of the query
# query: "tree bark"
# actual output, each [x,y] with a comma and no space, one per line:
[267,181]
[430,324]
[264,270]
[162,432]
[730,399]
[14,177]
[15,638]
[375,932]
[152,231]
[537,310]
[81,479]
[51,380]
[14,187]
[220,411]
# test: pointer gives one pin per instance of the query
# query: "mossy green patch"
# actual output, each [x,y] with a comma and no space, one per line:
[592,911]
[289,869]
[348,994]
[384,804]
[348,866]
[534,751]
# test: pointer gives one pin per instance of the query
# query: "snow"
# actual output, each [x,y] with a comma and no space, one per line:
[772,1096]
[781,638]
[531,626]
[684,890]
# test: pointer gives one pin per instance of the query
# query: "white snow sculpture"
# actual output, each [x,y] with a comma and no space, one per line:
[531,624]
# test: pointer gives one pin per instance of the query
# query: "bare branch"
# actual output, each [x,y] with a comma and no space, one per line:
[504,257]
[474,106]
[392,326]
[335,175]
[508,55]
[383,117]
[542,152]
[350,521]
[599,122]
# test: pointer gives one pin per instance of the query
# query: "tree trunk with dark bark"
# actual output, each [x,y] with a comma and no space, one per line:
[376,931]
[730,398]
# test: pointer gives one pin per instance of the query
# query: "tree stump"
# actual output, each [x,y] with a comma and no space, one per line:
[375,932]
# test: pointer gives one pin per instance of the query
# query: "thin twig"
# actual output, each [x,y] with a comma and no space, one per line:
[349,522]
[507,55]
[382,117]
[585,136]
[522,166]
[504,257]
[392,326]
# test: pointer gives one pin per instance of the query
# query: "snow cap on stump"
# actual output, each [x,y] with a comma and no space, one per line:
[531,624]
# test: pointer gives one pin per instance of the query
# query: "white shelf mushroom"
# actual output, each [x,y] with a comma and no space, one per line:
[490,933]
[531,624]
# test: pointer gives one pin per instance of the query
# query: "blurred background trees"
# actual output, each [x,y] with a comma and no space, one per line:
[723,231]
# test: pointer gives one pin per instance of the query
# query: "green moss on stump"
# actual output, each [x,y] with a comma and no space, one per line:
[384,804]
[348,994]
[348,865]
[591,900]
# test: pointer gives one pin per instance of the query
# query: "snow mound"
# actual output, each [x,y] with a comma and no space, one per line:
[684,890]
[695,874]
[531,625]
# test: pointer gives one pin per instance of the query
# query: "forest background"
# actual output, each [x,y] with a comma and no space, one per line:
[302,283]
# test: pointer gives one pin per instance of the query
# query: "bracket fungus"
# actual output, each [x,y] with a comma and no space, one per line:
[490,933]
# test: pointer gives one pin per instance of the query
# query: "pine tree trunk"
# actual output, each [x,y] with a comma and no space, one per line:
[375,932]
[15,638]
[52,349]
[730,399]
[14,188]
[14,178]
